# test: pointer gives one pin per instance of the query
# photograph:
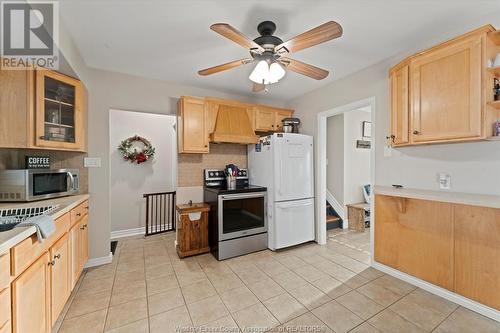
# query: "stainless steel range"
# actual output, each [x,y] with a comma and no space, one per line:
[238,219]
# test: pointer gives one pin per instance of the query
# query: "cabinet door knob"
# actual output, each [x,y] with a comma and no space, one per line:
[416,132]
[82,228]
[78,214]
[52,263]
[57,256]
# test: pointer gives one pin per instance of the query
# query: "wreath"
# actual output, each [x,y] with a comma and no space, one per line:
[131,152]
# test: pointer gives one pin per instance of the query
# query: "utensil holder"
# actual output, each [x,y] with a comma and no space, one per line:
[231,183]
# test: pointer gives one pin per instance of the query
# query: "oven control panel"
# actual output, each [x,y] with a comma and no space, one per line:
[214,174]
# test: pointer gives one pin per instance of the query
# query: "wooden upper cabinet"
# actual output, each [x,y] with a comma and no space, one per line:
[60,120]
[279,115]
[60,278]
[440,95]
[16,108]
[446,92]
[264,119]
[192,131]
[31,298]
[399,81]
[477,253]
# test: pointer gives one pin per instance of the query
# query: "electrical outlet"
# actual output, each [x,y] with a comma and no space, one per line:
[92,162]
[387,151]
[444,180]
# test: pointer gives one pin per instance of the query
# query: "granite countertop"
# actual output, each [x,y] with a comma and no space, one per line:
[482,200]
[11,237]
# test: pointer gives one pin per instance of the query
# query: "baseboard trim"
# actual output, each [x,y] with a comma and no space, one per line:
[128,232]
[446,294]
[99,261]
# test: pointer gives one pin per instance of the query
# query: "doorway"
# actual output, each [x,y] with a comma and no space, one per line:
[354,152]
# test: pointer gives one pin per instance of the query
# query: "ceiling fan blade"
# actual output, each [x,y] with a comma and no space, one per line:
[225,67]
[318,35]
[258,87]
[304,69]
[236,36]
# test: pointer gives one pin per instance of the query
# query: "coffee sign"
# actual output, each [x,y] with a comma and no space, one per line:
[37,162]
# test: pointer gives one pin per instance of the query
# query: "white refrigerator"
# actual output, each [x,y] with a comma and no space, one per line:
[283,162]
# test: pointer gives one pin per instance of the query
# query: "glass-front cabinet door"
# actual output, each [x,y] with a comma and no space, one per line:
[59,112]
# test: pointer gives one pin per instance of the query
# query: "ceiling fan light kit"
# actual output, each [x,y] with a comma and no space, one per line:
[264,73]
[269,52]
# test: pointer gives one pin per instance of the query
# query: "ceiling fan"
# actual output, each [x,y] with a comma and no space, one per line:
[270,52]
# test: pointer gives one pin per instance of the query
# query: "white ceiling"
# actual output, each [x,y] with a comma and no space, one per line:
[171,40]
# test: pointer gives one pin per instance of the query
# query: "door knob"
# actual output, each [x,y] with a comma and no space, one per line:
[416,132]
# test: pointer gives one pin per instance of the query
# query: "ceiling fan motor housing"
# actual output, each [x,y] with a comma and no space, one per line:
[266,30]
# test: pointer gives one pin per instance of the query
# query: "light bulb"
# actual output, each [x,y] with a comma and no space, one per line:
[260,73]
[276,72]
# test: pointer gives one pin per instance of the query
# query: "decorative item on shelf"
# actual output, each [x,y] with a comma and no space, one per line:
[291,125]
[131,152]
[37,162]
[496,90]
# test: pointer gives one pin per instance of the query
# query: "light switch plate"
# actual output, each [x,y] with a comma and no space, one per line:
[444,181]
[92,162]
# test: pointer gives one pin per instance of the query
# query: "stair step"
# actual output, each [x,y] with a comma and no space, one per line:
[332,218]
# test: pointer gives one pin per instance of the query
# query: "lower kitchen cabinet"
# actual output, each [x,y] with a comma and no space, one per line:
[477,254]
[453,246]
[60,279]
[74,244]
[416,237]
[31,298]
[84,241]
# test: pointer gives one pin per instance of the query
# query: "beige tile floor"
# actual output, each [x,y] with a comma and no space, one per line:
[309,288]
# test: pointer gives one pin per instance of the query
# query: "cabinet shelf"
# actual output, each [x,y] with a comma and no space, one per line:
[58,125]
[57,102]
[495,71]
[495,104]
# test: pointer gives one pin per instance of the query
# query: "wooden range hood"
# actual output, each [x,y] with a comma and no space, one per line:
[233,124]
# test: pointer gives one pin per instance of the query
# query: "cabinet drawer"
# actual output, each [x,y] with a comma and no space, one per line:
[4,270]
[26,252]
[4,308]
[79,211]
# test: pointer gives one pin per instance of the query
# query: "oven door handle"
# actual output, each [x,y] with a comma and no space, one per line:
[242,196]
[71,181]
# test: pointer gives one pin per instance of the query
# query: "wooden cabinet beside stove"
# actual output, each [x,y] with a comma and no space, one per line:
[192,229]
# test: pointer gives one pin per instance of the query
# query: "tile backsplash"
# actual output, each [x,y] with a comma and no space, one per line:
[15,159]
[190,166]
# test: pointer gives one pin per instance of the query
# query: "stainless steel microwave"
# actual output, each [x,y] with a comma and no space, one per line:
[38,184]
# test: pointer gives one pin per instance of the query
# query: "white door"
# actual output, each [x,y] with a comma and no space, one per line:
[293,166]
[293,223]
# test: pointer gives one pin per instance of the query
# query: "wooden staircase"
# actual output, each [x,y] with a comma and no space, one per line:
[332,219]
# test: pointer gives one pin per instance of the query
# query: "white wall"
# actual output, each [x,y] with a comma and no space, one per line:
[356,160]
[335,157]
[129,181]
